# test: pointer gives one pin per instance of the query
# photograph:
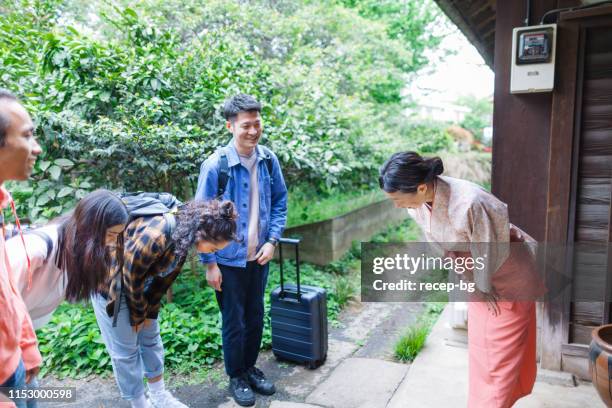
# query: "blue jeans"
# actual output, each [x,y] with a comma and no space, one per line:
[17,380]
[242,309]
[133,355]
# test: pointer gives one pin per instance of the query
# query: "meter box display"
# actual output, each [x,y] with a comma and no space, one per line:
[533,59]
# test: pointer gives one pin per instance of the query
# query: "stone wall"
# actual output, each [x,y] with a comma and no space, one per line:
[328,240]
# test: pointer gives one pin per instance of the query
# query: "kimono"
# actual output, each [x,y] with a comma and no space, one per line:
[502,348]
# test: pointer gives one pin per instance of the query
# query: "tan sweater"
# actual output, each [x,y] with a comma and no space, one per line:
[250,163]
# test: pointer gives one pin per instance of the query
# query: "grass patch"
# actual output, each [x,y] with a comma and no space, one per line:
[303,209]
[411,343]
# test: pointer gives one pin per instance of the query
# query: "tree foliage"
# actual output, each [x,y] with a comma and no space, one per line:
[480,115]
[129,98]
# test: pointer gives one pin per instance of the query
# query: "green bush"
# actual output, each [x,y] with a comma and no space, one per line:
[132,97]
[427,137]
[190,327]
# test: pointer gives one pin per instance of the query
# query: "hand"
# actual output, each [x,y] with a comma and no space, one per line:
[31,374]
[491,298]
[516,235]
[214,277]
[265,254]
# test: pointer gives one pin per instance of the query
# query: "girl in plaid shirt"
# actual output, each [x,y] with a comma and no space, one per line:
[152,257]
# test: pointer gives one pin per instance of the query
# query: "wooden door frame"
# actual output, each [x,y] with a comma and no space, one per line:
[562,178]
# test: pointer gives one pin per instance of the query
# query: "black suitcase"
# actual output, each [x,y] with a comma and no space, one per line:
[298,314]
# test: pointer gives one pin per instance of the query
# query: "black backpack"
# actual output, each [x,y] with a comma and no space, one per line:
[141,204]
[224,169]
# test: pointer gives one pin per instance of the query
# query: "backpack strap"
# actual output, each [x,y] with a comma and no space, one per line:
[268,160]
[44,236]
[224,169]
[223,173]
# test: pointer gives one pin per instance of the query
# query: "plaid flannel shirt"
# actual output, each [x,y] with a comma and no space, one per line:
[149,269]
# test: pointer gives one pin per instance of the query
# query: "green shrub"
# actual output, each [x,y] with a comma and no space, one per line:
[411,343]
[132,98]
[427,137]
[190,327]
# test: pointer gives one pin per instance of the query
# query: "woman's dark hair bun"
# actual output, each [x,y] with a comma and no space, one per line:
[405,171]
[436,167]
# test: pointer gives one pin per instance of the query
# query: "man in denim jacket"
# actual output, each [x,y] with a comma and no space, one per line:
[239,272]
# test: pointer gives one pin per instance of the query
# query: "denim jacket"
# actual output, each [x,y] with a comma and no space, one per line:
[272,201]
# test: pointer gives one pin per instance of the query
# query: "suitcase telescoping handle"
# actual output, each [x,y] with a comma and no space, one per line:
[296,243]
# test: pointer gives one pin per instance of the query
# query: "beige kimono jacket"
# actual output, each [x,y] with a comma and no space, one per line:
[465,217]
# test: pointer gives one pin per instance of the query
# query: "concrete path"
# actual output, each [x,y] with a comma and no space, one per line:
[439,378]
[367,331]
[359,373]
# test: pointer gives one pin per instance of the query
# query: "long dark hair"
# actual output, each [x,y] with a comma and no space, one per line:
[405,171]
[212,221]
[82,251]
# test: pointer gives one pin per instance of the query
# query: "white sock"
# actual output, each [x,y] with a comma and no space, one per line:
[157,387]
[140,402]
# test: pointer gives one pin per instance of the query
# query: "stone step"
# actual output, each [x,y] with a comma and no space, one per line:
[359,383]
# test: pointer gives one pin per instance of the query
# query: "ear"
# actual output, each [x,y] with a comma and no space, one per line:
[228,125]
[422,188]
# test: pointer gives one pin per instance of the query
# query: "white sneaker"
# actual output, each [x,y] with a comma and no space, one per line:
[165,399]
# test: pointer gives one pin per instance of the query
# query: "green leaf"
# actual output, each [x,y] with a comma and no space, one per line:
[105,96]
[42,200]
[55,172]
[128,11]
[64,192]
[65,163]
[44,165]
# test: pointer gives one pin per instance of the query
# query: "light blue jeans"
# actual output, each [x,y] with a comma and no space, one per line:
[133,355]
[17,380]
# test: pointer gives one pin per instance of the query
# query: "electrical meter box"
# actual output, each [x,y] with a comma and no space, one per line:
[533,59]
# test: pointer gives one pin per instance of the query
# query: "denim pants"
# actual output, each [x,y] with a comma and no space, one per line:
[242,309]
[17,380]
[133,355]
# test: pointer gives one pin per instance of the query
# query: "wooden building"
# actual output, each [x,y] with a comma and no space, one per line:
[552,153]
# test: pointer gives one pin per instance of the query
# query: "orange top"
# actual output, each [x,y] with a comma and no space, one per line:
[17,337]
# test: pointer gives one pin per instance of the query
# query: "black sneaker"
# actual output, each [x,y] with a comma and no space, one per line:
[259,383]
[241,392]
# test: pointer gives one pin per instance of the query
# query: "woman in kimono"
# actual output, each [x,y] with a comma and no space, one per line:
[501,332]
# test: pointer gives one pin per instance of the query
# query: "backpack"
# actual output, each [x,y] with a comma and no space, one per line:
[224,169]
[141,204]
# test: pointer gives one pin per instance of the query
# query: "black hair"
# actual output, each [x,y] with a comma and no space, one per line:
[82,251]
[240,103]
[4,120]
[405,171]
[212,221]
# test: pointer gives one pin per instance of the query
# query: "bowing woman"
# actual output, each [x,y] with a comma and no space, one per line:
[501,330]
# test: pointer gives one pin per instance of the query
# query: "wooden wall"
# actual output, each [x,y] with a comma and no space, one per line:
[521,127]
